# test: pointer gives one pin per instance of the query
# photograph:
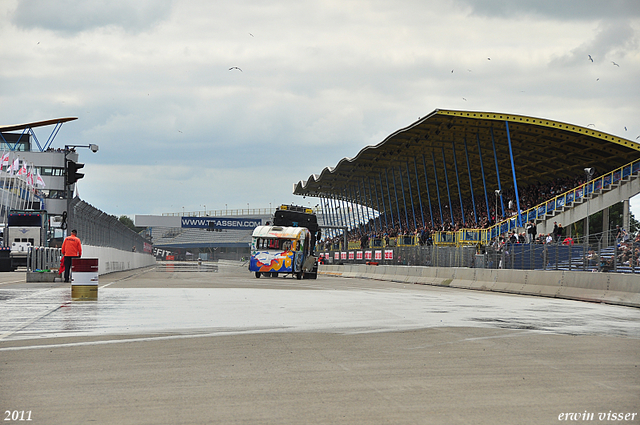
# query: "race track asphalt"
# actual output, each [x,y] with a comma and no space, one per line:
[187,344]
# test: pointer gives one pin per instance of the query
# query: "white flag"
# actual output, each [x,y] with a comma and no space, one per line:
[23,169]
[30,177]
[15,166]
[4,160]
[39,180]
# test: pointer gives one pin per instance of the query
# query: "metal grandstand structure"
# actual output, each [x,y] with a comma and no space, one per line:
[449,161]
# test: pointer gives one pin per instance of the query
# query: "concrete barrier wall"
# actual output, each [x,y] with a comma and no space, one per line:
[611,288]
[114,260]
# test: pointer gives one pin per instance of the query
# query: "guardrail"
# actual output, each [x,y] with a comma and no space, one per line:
[620,258]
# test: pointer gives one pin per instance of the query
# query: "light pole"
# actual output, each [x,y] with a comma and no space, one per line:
[498,192]
[589,172]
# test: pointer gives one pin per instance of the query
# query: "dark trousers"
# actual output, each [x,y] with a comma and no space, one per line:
[67,267]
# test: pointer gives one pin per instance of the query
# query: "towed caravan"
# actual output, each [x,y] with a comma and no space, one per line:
[281,249]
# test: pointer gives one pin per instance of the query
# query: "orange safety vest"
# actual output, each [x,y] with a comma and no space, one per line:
[71,247]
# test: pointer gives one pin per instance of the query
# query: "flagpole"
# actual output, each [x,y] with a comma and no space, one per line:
[3,210]
[14,198]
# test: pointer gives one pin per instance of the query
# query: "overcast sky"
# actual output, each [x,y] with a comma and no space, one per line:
[150,83]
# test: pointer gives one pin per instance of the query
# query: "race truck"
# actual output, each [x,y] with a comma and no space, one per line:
[287,246]
[24,229]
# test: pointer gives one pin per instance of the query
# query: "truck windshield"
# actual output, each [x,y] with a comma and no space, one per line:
[275,243]
[24,220]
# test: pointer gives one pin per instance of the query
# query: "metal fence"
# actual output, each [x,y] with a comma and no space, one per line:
[98,228]
[41,258]
[623,256]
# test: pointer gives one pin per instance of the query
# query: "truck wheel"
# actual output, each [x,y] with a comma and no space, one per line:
[257,275]
[274,274]
[299,275]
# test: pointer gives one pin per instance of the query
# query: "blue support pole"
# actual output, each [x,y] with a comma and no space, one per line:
[426,183]
[341,211]
[473,198]
[326,212]
[345,213]
[389,195]
[415,167]
[352,217]
[375,228]
[336,222]
[395,191]
[375,190]
[348,212]
[435,172]
[455,162]
[484,182]
[411,197]
[446,181]
[515,181]
[364,197]
[495,156]
[384,208]
[356,197]
[356,212]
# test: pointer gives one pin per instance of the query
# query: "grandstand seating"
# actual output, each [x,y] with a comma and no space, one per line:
[599,194]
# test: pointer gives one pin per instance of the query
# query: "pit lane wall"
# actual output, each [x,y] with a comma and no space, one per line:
[610,288]
[115,260]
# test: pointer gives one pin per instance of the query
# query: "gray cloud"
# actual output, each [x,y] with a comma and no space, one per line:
[554,9]
[320,81]
[612,41]
[72,16]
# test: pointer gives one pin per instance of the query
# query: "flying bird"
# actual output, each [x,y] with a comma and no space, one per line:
[625,129]
[615,64]
[235,67]
[590,58]
[464,99]
[251,34]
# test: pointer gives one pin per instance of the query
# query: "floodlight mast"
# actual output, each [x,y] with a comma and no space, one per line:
[71,175]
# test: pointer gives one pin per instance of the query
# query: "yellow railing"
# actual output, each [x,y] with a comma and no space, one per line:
[540,211]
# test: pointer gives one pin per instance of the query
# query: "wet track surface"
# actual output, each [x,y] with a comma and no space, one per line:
[193,344]
[157,303]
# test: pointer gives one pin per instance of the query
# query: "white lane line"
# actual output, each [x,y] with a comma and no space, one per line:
[15,281]
[145,339]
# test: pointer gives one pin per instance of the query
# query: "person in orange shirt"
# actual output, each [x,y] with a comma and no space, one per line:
[71,248]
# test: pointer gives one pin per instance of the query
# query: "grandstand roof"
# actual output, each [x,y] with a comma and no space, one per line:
[54,121]
[543,150]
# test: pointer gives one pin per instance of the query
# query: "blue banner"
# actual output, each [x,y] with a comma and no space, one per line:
[220,223]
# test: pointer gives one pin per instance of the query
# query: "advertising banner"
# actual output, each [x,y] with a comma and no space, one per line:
[220,223]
